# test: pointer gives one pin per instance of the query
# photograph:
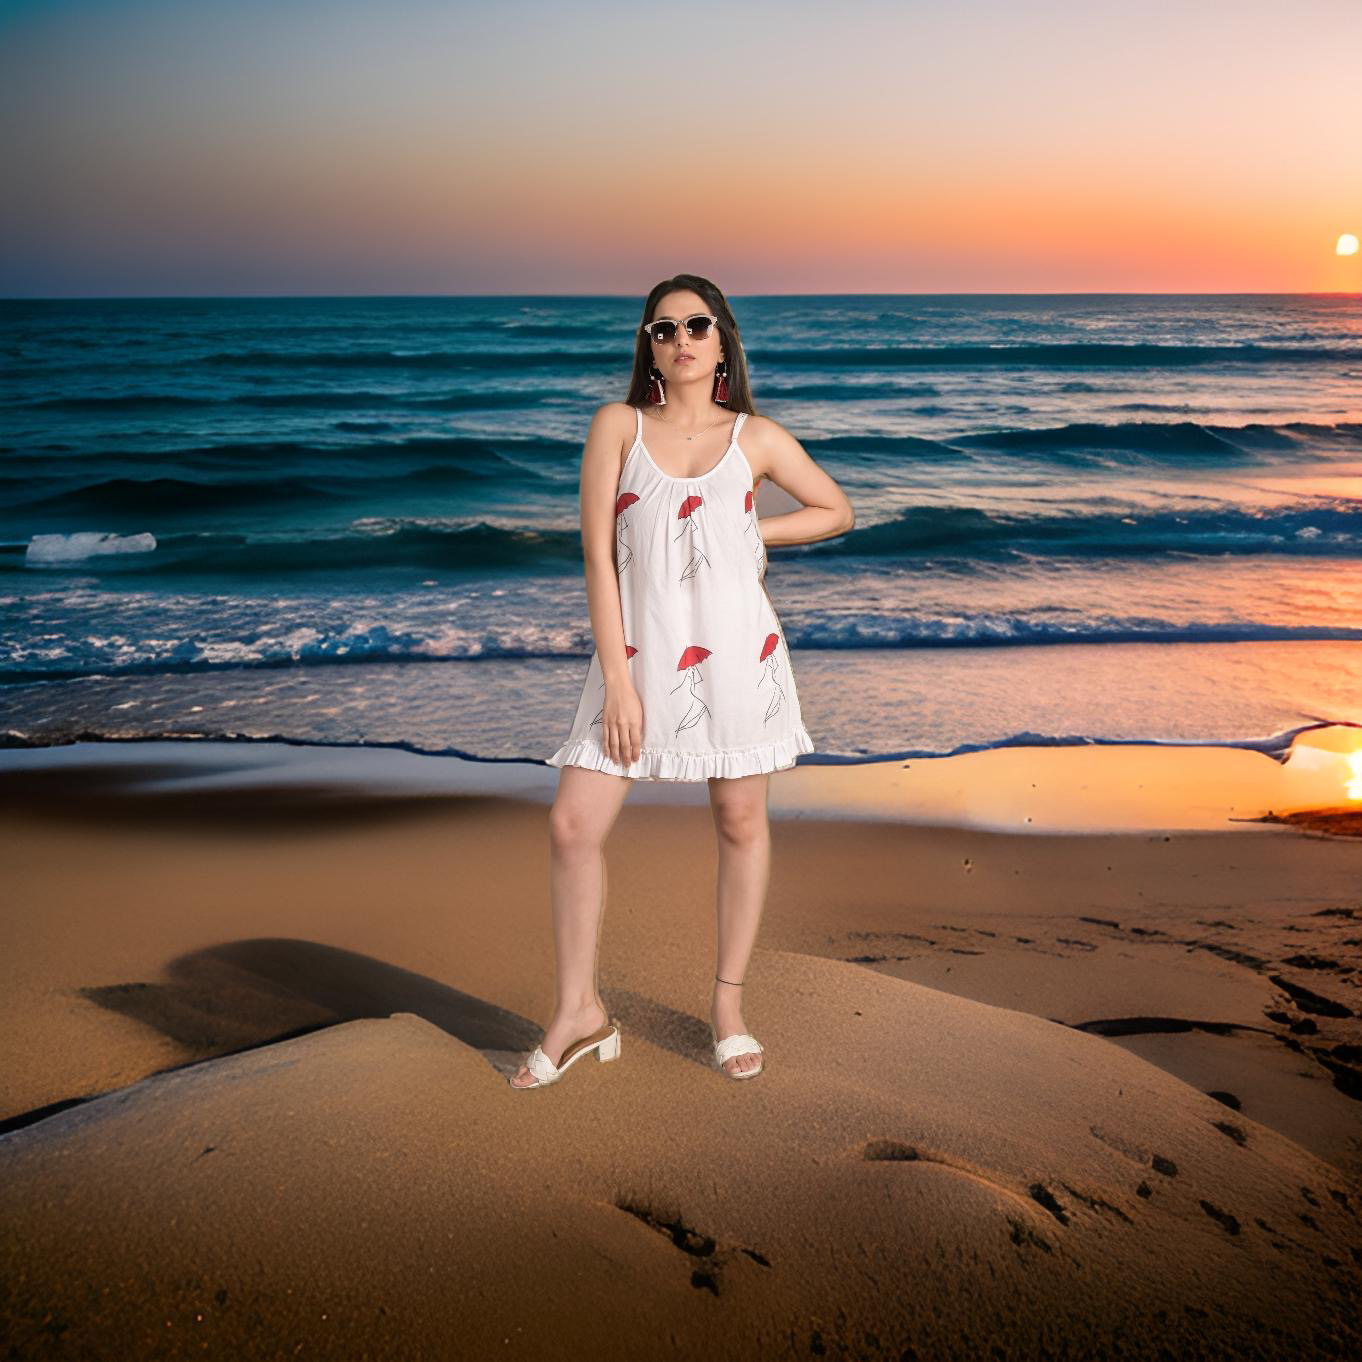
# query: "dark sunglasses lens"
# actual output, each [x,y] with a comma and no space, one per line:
[663,332]
[698,327]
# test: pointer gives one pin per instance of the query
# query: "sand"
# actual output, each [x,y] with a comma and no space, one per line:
[1033,1089]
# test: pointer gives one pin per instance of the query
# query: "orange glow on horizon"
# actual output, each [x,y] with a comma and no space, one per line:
[411,148]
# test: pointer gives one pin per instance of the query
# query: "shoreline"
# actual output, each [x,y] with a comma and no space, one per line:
[1107,787]
[1277,744]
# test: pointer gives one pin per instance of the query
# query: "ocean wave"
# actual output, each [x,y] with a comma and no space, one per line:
[323,460]
[481,361]
[1176,440]
[320,400]
[1097,444]
[1331,528]
[185,495]
[374,543]
[1324,528]
[241,473]
[1048,355]
[1054,356]
[299,644]
[58,550]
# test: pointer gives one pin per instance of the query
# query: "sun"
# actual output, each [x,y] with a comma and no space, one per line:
[1347,244]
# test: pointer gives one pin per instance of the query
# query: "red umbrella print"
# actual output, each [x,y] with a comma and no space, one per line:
[769,673]
[629,651]
[690,504]
[625,501]
[690,664]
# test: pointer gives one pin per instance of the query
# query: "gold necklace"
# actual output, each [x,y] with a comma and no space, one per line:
[698,433]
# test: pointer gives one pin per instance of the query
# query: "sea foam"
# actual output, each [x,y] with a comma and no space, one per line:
[70,548]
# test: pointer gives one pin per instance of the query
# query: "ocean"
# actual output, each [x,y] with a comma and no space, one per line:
[1080,518]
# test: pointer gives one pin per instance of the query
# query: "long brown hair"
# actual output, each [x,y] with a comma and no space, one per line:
[739,390]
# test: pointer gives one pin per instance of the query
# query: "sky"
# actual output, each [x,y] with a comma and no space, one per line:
[233,147]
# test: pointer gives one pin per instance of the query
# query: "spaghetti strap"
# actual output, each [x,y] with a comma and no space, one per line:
[638,434]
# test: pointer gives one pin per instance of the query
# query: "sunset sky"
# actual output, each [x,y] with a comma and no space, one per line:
[300,147]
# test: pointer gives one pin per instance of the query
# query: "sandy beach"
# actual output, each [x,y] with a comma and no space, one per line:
[1035,1088]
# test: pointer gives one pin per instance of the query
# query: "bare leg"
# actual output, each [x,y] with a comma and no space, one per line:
[582,815]
[740,817]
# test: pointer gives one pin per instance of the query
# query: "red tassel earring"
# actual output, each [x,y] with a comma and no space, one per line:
[655,394]
[721,390]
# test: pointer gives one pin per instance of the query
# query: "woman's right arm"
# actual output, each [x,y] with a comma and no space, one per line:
[623,718]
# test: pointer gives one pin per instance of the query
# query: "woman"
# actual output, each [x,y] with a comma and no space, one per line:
[691,678]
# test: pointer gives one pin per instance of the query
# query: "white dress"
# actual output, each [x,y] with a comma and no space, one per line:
[705,647]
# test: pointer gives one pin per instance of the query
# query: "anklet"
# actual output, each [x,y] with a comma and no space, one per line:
[729,981]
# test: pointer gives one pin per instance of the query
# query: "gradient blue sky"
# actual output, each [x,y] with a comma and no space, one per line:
[416,147]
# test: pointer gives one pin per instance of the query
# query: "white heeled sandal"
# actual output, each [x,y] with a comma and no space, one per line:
[605,1042]
[741,1044]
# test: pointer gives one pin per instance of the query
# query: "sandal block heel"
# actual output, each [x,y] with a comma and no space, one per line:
[609,1048]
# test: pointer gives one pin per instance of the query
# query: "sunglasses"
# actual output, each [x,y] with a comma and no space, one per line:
[664,332]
